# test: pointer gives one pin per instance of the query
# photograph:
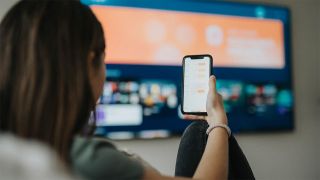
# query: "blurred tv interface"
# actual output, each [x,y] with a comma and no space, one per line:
[146,41]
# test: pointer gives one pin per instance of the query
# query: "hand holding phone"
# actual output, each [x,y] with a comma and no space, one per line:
[196,104]
[195,83]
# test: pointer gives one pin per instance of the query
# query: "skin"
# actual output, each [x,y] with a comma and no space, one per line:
[217,144]
[96,76]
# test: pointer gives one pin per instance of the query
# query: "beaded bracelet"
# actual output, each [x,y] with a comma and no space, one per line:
[211,127]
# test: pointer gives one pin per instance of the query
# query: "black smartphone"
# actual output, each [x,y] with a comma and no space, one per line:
[195,83]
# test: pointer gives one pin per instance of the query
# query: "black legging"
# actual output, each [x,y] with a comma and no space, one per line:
[192,145]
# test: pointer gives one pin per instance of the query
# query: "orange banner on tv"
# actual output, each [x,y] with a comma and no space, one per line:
[158,37]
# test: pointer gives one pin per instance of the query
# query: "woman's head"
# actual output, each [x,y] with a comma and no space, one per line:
[51,70]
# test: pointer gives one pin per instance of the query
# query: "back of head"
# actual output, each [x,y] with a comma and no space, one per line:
[45,92]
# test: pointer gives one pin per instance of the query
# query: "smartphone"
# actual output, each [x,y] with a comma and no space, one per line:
[195,83]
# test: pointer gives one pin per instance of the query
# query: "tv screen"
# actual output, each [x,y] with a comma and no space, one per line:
[146,41]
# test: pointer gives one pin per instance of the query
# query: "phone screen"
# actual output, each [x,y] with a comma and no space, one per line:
[197,70]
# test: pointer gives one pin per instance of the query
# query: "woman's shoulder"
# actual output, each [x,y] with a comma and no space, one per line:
[81,144]
[97,158]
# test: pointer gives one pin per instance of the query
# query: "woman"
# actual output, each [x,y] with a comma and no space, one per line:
[51,75]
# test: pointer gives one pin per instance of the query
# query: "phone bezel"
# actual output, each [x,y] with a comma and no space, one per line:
[200,56]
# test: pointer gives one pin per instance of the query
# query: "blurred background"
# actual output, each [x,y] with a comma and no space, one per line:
[273,103]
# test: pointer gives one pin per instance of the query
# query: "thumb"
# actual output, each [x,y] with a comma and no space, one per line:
[212,84]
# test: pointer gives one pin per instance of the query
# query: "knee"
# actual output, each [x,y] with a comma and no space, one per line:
[196,128]
[194,137]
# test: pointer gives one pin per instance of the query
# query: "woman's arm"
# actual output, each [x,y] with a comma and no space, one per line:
[214,162]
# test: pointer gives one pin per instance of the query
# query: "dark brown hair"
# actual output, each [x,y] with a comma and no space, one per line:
[45,93]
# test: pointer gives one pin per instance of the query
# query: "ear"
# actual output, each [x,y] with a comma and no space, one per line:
[90,66]
[96,74]
[90,58]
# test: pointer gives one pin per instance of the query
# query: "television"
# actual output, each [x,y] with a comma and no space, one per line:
[146,41]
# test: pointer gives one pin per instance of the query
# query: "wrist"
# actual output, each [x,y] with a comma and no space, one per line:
[219,120]
[216,126]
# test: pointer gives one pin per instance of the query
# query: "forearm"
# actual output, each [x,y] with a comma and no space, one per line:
[214,162]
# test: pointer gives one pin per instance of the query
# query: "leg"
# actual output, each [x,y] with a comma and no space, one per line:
[239,167]
[192,146]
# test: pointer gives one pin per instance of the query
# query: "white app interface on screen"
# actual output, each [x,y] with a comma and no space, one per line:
[196,84]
